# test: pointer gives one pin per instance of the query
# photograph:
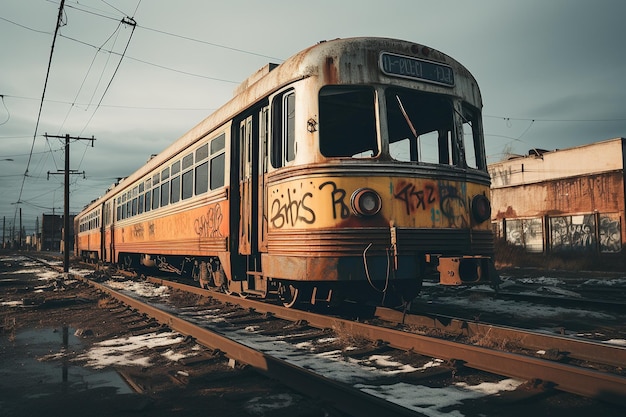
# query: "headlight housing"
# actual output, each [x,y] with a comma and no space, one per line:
[481,208]
[365,202]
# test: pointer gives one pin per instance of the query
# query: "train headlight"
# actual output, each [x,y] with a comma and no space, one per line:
[365,202]
[481,208]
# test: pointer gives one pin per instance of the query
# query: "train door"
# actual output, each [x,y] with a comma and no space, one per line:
[249,200]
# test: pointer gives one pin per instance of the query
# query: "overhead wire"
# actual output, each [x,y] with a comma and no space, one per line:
[56,31]
[7,109]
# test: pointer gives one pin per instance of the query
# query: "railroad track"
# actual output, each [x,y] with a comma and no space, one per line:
[584,381]
[587,382]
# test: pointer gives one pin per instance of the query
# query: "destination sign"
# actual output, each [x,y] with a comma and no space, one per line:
[416,69]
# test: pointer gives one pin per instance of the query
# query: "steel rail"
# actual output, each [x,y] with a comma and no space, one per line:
[584,350]
[341,396]
[580,381]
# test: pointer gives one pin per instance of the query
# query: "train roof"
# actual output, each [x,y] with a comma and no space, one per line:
[272,77]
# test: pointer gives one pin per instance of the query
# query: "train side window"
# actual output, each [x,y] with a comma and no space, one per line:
[217,171]
[156,199]
[202,178]
[175,168]
[472,138]
[148,200]
[175,189]
[148,195]
[202,152]
[218,162]
[141,204]
[289,121]
[188,161]
[187,184]
[165,193]
[218,144]
[348,122]
[283,132]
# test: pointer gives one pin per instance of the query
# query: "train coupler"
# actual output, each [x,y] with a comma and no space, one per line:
[465,270]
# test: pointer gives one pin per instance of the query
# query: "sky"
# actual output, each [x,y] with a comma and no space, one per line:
[137,74]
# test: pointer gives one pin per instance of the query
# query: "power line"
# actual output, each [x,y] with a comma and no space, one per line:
[536,119]
[106,105]
[128,21]
[153,64]
[56,30]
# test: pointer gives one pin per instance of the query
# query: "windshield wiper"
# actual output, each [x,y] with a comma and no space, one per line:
[406,117]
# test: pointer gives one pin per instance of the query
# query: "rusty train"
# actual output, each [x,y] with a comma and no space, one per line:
[356,169]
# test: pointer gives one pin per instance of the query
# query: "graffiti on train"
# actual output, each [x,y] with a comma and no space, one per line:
[446,202]
[299,205]
[291,208]
[208,225]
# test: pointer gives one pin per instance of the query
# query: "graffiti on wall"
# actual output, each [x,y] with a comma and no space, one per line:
[527,233]
[576,233]
[610,232]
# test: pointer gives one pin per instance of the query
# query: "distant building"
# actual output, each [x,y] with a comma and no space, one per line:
[52,232]
[568,200]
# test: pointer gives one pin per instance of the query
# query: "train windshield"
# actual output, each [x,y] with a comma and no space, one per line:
[420,127]
[348,122]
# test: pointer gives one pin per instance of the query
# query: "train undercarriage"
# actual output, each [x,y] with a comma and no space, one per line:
[375,282]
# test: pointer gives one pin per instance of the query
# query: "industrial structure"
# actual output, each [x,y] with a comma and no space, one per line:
[562,201]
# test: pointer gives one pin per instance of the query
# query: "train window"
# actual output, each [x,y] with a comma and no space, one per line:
[187,186]
[148,202]
[165,193]
[175,189]
[165,174]
[141,187]
[202,178]
[218,143]
[420,127]
[175,168]
[202,152]
[156,198]
[217,171]
[472,138]
[156,179]
[263,137]
[283,136]
[348,122]
[289,132]
[134,207]
[140,205]
[188,161]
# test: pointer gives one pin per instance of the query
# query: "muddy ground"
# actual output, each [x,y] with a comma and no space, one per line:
[45,326]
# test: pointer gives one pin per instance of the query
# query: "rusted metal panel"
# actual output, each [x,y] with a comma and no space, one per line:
[584,194]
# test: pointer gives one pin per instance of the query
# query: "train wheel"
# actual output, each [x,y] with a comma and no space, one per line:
[288,295]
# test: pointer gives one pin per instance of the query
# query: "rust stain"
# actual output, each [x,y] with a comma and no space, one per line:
[331,72]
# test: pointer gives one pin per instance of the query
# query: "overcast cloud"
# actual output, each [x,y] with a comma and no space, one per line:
[551,74]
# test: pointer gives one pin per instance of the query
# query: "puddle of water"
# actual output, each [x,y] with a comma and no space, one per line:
[37,364]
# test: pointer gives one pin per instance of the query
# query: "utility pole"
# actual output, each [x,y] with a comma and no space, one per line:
[19,241]
[66,203]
